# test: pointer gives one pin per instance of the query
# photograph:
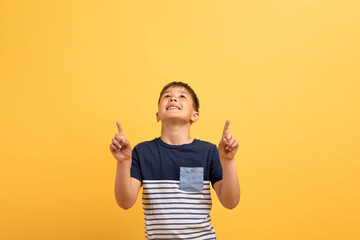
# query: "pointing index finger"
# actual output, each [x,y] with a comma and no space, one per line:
[226,128]
[121,131]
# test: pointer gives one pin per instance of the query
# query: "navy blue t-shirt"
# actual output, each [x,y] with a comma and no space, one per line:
[157,160]
[176,187]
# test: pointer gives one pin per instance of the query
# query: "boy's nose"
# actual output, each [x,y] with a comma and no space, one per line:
[173,99]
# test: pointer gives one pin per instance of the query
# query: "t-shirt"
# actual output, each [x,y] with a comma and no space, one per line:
[176,181]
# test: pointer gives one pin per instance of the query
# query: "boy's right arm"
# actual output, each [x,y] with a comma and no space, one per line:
[126,187]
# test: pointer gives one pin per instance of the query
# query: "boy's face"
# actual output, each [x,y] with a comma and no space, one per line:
[176,104]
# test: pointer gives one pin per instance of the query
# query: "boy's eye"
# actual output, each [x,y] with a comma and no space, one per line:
[182,96]
[166,96]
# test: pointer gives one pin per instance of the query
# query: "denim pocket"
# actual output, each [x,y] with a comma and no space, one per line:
[191,178]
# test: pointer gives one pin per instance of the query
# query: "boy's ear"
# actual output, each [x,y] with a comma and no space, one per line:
[194,117]
[157,117]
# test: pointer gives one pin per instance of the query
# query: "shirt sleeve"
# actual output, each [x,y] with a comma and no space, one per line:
[216,173]
[135,171]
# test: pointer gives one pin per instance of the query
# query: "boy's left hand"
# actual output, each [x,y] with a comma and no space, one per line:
[228,146]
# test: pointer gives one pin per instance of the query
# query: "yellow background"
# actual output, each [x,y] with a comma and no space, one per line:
[285,72]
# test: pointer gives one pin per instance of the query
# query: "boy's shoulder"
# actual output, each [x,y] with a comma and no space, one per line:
[146,143]
[205,143]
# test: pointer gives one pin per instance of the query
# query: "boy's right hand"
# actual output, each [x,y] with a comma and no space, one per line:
[120,147]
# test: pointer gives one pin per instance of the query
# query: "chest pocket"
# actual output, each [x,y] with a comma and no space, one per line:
[191,178]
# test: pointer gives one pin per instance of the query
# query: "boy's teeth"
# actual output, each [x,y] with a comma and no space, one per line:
[172,108]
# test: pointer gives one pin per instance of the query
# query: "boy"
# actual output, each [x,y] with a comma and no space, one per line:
[175,171]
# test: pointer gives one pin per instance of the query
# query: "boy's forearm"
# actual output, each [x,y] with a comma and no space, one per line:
[124,192]
[230,189]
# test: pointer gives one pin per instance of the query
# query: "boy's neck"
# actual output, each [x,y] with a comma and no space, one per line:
[176,134]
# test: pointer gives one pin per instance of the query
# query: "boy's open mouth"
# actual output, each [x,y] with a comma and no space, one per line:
[172,107]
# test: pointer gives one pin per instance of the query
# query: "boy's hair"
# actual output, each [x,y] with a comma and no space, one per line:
[196,103]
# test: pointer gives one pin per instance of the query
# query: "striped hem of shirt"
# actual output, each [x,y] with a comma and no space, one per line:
[172,213]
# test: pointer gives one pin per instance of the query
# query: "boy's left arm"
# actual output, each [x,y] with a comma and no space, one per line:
[228,189]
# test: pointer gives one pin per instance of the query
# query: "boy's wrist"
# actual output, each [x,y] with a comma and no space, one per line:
[222,159]
[124,164]
[226,163]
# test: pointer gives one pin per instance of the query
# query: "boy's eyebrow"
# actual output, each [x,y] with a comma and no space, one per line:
[180,91]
